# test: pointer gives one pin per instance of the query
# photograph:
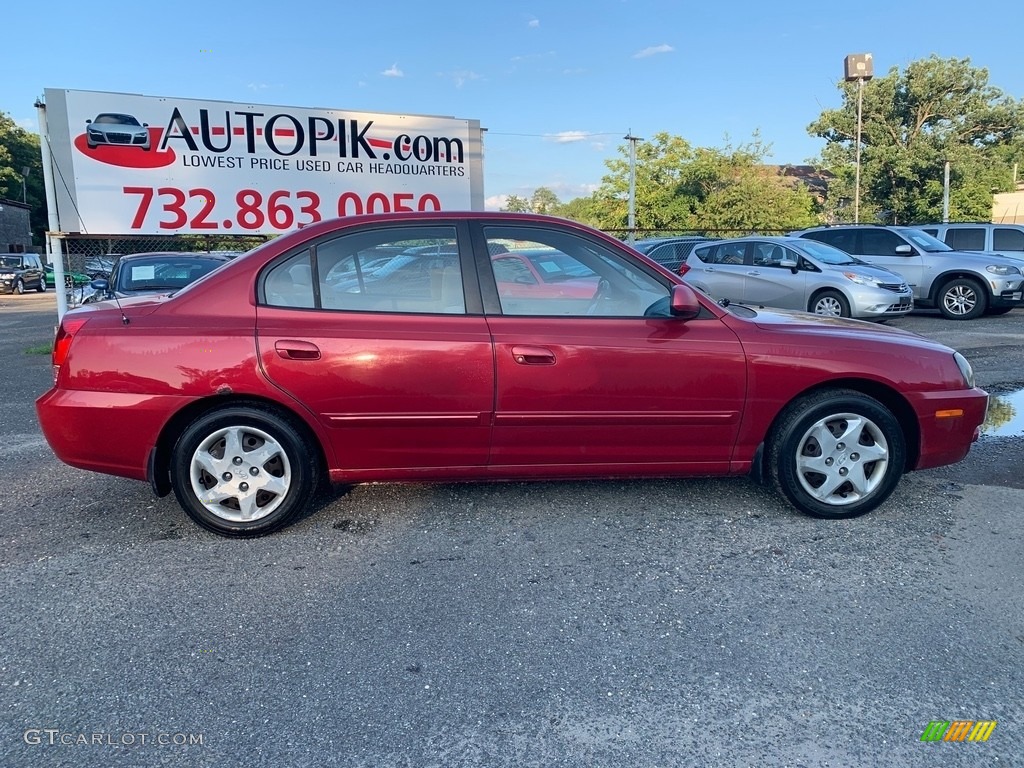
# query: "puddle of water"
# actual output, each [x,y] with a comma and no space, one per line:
[1005,416]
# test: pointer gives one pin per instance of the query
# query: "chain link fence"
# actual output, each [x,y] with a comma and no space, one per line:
[88,257]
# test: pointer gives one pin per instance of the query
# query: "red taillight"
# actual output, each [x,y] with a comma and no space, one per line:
[683,268]
[62,343]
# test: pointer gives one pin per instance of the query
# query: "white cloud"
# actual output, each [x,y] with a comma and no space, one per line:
[531,56]
[495,202]
[393,71]
[654,50]
[533,23]
[566,137]
[257,86]
[462,77]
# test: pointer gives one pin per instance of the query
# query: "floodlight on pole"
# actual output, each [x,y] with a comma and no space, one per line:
[631,221]
[858,67]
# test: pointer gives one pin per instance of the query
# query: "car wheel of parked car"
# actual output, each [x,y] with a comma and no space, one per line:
[244,471]
[831,303]
[19,286]
[836,453]
[42,285]
[962,299]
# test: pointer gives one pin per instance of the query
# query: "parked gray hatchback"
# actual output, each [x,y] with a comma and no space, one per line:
[791,273]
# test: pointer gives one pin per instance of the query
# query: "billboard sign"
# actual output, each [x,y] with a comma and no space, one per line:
[132,164]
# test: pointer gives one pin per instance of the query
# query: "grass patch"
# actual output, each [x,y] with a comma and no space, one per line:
[39,349]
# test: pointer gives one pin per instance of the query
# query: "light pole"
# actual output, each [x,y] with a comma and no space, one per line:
[24,175]
[631,221]
[858,67]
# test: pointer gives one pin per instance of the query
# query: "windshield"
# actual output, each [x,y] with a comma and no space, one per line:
[11,262]
[826,254]
[924,241]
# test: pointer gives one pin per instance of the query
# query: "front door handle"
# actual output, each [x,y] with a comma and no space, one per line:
[533,355]
[293,349]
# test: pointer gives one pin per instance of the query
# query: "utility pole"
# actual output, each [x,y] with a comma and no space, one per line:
[631,236]
[859,67]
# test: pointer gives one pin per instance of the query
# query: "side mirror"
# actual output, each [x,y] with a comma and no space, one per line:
[684,303]
[88,122]
[789,264]
[904,250]
[100,285]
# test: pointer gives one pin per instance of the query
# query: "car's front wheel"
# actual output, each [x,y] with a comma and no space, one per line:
[962,299]
[831,304]
[19,286]
[836,453]
[244,471]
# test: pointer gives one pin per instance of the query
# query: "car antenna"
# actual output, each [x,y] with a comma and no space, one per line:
[124,317]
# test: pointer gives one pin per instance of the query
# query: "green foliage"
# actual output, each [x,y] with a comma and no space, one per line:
[683,188]
[19,149]
[516,204]
[937,110]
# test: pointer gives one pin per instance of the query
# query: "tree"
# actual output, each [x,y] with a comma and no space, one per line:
[938,110]
[544,201]
[516,204]
[19,150]
[682,188]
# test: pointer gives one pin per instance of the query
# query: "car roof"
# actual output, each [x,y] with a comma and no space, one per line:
[173,254]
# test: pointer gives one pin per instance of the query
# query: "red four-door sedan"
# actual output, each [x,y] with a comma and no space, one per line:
[245,390]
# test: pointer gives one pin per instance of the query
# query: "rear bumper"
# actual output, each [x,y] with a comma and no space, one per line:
[128,426]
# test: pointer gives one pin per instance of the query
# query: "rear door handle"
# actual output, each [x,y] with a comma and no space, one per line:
[293,349]
[533,355]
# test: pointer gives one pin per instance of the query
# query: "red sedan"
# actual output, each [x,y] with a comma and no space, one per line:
[245,390]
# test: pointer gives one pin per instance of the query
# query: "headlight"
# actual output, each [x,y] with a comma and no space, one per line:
[965,369]
[1001,269]
[860,279]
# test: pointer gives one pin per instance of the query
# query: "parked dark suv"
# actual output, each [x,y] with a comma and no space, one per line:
[20,272]
[962,285]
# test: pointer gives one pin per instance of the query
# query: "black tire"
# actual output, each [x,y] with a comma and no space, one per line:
[996,311]
[272,454]
[42,285]
[829,304]
[19,286]
[813,469]
[962,299]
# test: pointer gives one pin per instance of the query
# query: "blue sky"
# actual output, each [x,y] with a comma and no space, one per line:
[556,84]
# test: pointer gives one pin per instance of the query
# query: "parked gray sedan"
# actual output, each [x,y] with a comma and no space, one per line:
[795,273]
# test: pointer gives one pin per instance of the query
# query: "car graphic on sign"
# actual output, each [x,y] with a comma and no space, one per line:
[116,129]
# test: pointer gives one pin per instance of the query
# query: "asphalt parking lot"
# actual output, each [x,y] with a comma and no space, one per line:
[655,623]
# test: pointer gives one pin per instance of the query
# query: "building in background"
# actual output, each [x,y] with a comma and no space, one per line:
[15,229]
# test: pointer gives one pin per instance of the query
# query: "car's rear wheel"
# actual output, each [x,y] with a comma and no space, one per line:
[962,299]
[836,454]
[42,285]
[831,304]
[244,471]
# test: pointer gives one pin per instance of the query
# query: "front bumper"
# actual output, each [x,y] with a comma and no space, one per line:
[946,438]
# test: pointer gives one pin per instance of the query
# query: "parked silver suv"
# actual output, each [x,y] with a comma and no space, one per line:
[1004,239]
[963,285]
